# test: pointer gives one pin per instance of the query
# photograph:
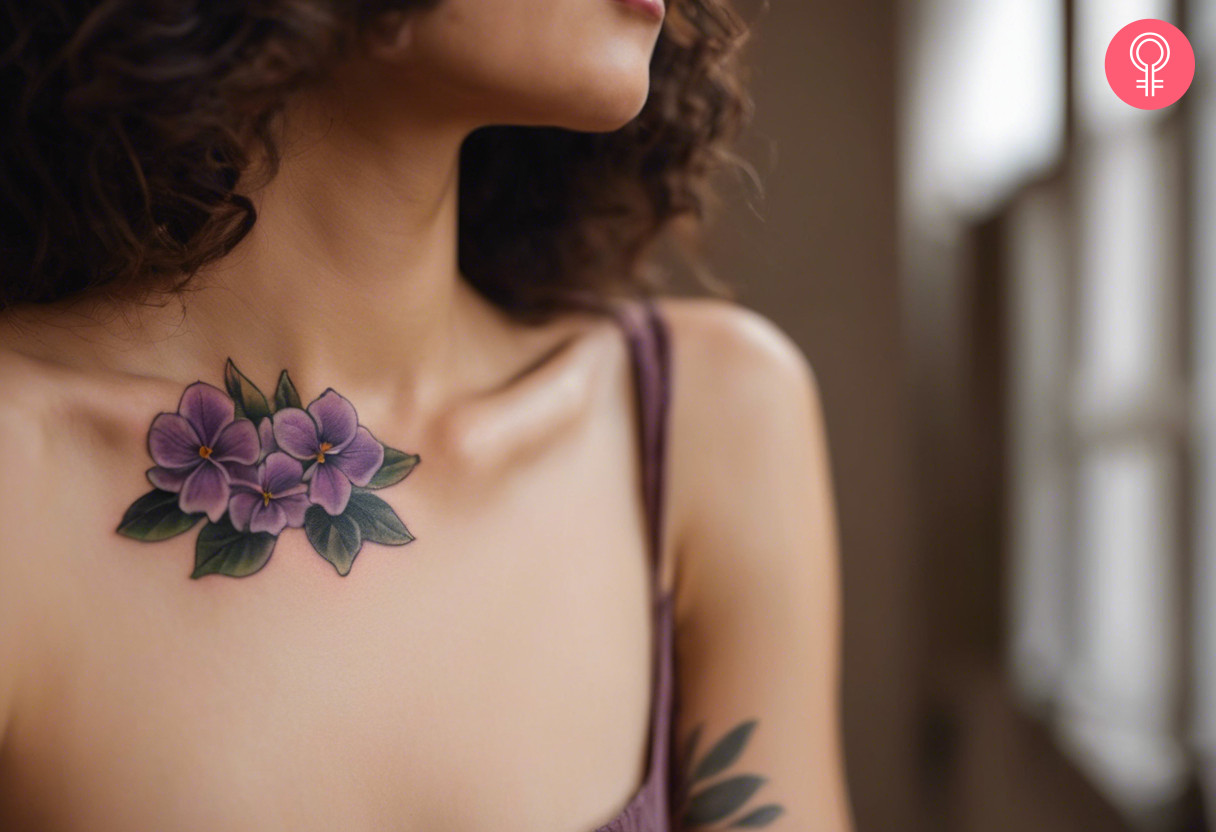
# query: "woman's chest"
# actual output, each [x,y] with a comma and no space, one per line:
[490,674]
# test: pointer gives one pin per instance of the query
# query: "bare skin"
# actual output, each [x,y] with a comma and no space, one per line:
[494,674]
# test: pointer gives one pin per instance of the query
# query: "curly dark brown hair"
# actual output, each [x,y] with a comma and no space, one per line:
[126,129]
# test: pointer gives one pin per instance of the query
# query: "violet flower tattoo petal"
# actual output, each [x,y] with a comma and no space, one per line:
[296,468]
[266,437]
[328,433]
[190,449]
[269,497]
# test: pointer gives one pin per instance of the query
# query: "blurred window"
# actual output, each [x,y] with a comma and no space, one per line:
[1099,436]
[985,103]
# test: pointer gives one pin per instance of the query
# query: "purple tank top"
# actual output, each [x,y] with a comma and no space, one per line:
[647,334]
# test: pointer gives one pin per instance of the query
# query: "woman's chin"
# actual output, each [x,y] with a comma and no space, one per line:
[602,111]
[605,121]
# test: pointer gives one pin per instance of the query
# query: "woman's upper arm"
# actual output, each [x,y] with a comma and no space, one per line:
[757,597]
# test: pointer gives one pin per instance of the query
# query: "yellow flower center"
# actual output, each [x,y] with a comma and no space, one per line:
[325,446]
[204,451]
[266,497]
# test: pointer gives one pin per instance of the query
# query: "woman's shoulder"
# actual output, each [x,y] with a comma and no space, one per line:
[28,478]
[60,424]
[727,355]
[27,416]
[49,427]
[746,434]
[47,388]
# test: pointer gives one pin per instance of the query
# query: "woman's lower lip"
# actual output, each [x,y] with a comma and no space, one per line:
[654,8]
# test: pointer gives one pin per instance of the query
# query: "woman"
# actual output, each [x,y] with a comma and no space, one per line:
[323,515]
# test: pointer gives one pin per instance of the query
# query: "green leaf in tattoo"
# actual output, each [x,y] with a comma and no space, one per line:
[376,519]
[156,516]
[250,401]
[396,467]
[684,767]
[285,394]
[336,538]
[760,817]
[690,747]
[223,550]
[718,801]
[725,751]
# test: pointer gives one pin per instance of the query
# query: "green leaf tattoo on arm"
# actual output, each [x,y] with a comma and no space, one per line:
[254,466]
[724,799]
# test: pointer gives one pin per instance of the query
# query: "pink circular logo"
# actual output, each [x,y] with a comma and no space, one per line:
[1150,64]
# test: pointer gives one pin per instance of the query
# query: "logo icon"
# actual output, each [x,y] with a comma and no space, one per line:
[1150,83]
[1150,64]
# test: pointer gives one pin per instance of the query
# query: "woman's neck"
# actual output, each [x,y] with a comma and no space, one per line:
[352,261]
[349,275]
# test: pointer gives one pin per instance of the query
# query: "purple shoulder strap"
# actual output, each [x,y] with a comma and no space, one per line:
[649,346]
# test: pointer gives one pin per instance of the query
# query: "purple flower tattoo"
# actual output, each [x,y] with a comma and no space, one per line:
[266,437]
[329,433]
[254,466]
[192,447]
[269,497]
